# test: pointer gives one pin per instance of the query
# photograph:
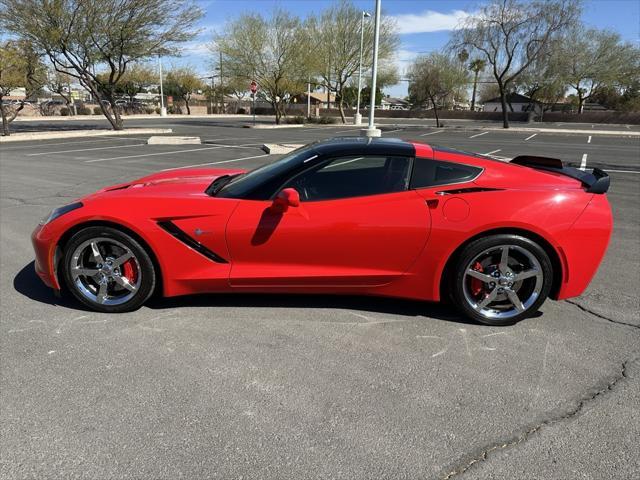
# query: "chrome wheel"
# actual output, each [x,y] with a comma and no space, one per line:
[105,271]
[502,281]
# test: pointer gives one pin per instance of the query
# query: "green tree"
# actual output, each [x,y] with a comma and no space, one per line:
[434,77]
[136,79]
[511,34]
[20,67]
[476,66]
[95,41]
[182,83]
[272,51]
[591,60]
[60,83]
[335,52]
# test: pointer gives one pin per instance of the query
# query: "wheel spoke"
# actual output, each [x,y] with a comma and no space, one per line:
[102,292]
[87,272]
[488,299]
[479,275]
[124,282]
[504,259]
[97,256]
[121,259]
[515,300]
[527,274]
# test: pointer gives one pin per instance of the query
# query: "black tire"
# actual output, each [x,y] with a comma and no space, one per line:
[476,248]
[144,266]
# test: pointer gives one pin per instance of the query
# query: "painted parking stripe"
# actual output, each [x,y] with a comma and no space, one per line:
[478,134]
[63,143]
[623,171]
[217,163]
[431,133]
[583,163]
[589,139]
[396,130]
[152,154]
[85,149]
[530,137]
[492,152]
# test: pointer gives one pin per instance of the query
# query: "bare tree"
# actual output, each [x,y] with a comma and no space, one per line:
[433,78]
[96,40]
[20,67]
[511,34]
[592,59]
[272,51]
[335,37]
[60,83]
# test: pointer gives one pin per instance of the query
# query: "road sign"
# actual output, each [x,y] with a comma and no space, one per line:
[253,87]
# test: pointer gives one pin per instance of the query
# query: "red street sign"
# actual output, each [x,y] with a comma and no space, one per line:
[253,87]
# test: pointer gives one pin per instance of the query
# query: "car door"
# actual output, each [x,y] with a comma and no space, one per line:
[357,224]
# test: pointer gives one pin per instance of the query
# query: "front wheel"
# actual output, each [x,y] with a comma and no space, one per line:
[108,270]
[501,279]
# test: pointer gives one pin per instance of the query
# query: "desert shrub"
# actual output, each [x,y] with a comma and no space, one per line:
[83,110]
[97,111]
[64,112]
[298,119]
[327,120]
[241,111]
[150,110]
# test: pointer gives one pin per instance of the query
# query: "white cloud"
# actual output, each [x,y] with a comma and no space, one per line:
[429,21]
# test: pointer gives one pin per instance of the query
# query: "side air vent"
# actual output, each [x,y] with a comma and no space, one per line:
[173,229]
[460,191]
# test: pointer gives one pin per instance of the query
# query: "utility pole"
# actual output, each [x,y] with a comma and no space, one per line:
[221,82]
[357,119]
[371,130]
[309,98]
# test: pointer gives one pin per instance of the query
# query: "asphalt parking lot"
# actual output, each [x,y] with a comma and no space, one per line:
[310,387]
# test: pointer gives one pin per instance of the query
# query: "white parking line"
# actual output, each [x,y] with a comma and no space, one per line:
[623,171]
[530,137]
[478,134]
[583,163]
[396,130]
[37,145]
[431,133]
[492,152]
[85,149]
[354,129]
[589,139]
[152,154]
[216,163]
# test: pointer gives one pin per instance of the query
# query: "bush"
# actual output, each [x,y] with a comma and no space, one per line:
[158,110]
[83,111]
[64,112]
[150,110]
[298,119]
[97,111]
[241,111]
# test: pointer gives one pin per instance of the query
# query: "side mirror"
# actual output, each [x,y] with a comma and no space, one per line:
[288,197]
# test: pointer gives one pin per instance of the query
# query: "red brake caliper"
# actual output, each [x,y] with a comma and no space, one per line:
[476,285]
[130,271]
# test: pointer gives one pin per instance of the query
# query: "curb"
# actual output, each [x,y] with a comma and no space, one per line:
[173,140]
[19,137]
[270,126]
[280,148]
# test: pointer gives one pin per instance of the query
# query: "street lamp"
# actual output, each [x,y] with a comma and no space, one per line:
[163,110]
[371,130]
[357,119]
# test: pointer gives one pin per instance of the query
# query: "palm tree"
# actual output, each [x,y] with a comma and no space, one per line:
[476,66]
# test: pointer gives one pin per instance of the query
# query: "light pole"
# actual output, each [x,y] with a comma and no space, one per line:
[163,110]
[357,119]
[371,130]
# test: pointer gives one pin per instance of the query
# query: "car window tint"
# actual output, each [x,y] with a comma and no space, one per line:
[429,173]
[353,176]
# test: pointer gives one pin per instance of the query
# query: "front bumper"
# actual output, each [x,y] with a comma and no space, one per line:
[44,246]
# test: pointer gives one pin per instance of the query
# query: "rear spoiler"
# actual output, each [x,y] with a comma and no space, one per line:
[595,181]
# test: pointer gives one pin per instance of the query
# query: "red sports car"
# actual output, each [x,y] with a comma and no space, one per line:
[349,216]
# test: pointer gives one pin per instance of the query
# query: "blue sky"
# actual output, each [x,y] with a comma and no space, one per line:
[424,24]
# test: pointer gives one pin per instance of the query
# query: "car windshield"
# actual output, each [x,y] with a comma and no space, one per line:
[259,183]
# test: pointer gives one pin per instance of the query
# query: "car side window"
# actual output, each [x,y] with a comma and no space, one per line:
[430,173]
[353,176]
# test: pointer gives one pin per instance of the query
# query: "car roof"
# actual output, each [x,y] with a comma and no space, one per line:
[364,145]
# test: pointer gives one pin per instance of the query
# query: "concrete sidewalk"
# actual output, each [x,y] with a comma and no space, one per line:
[19,137]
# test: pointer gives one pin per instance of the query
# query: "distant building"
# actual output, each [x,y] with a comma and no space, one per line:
[318,99]
[392,103]
[519,103]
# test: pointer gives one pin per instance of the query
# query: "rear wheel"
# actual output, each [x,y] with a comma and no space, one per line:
[108,270]
[501,279]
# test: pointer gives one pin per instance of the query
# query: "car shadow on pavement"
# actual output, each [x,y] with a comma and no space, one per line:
[27,283]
